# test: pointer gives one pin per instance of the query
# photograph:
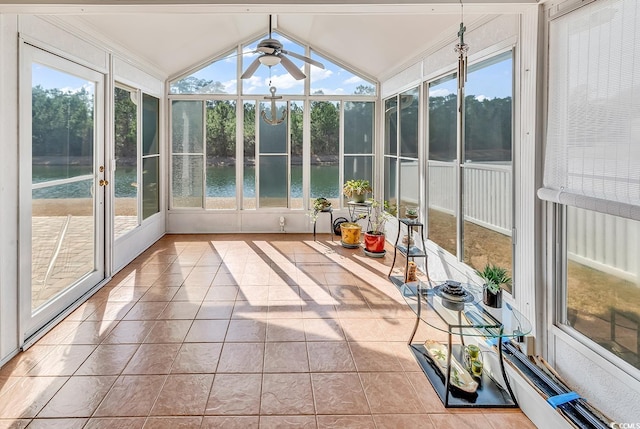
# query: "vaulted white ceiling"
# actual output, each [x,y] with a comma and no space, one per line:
[375,39]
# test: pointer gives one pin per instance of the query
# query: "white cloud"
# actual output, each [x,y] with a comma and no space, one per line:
[482,97]
[439,92]
[353,80]
[329,91]
[320,74]
[88,87]
[285,81]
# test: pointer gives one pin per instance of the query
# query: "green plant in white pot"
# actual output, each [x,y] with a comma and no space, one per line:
[357,189]
[493,277]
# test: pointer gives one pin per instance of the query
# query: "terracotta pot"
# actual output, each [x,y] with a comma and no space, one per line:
[374,242]
[350,232]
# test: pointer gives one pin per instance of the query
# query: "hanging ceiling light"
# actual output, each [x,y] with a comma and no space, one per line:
[269,60]
[461,49]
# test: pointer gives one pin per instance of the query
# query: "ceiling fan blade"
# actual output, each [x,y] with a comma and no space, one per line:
[291,68]
[303,58]
[251,69]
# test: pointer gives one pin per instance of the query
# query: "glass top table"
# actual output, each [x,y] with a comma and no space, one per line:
[469,318]
[464,317]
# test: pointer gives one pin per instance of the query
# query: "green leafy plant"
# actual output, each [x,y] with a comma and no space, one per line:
[494,276]
[319,204]
[356,187]
[378,217]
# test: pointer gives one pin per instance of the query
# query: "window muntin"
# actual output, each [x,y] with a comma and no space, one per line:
[601,286]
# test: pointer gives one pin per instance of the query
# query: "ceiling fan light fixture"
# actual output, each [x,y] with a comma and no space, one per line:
[269,60]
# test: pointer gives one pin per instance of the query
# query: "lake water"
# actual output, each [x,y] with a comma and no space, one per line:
[220,182]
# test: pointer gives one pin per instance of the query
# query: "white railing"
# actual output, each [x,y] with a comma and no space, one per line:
[603,242]
[487,193]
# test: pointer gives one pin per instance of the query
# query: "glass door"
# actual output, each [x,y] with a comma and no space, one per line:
[62,185]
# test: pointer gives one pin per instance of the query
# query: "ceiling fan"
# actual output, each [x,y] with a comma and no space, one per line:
[271,54]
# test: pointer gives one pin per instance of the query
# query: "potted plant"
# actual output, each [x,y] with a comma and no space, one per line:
[374,239]
[411,213]
[494,277]
[320,205]
[357,189]
[350,233]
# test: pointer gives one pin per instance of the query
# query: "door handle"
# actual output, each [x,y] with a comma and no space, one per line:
[103,182]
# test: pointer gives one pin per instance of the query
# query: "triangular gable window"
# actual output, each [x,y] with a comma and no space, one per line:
[335,80]
[219,77]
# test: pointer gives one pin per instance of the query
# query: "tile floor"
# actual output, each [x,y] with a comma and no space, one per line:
[235,331]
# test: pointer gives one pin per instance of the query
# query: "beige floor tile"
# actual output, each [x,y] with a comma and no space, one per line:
[323,330]
[168,331]
[215,310]
[284,293]
[426,394]
[241,358]
[180,310]
[286,394]
[130,332]
[111,311]
[374,356]
[152,359]
[253,293]
[287,422]
[354,309]
[59,332]
[63,360]
[225,279]
[116,423]
[183,394]
[458,420]
[285,330]
[509,420]
[126,293]
[107,359]
[221,293]
[159,293]
[191,294]
[69,403]
[28,396]
[23,362]
[15,423]
[319,310]
[231,422]
[57,423]
[395,421]
[131,395]
[362,329]
[197,358]
[173,422]
[339,393]
[147,310]
[89,332]
[330,357]
[207,331]
[285,309]
[235,394]
[244,331]
[250,310]
[286,357]
[384,400]
[347,422]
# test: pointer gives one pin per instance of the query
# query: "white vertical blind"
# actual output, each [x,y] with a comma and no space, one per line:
[592,155]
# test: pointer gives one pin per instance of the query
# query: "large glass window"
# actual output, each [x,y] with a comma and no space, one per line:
[150,155]
[273,162]
[325,151]
[402,176]
[358,140]
[125,118]
[487,171]
[220,154]
[442,163]
[484,211]
[275,167]
[603,271]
